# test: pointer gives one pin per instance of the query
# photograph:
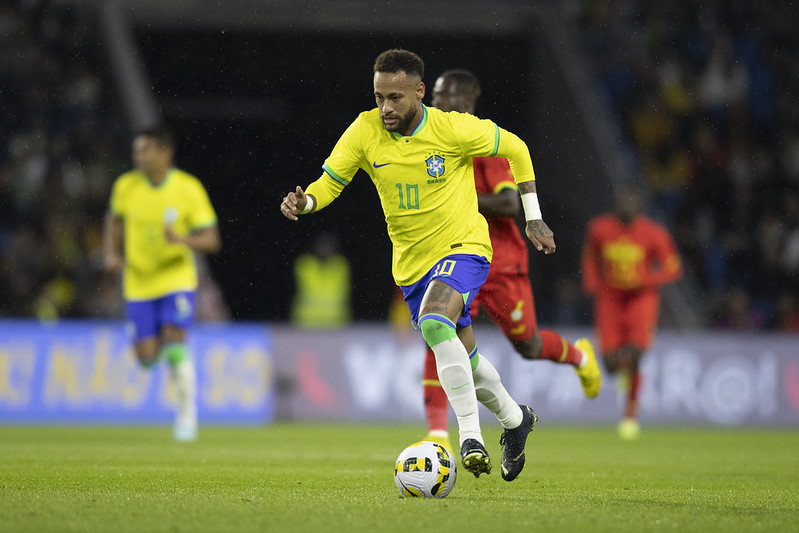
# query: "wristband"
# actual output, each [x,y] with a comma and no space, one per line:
[309,205]
[532,211]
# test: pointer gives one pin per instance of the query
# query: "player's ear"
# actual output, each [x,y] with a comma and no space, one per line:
[420,90]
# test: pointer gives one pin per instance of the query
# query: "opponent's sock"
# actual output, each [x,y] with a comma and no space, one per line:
[491,392]
[556,348]
[436,407]
[454,373]
[631,409]
[185,379]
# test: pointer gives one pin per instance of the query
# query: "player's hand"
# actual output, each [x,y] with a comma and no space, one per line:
[541,236]
[293,203]
[172,237]
[113,263]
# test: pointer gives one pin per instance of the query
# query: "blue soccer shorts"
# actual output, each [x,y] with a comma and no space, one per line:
[147,317]
[463,272]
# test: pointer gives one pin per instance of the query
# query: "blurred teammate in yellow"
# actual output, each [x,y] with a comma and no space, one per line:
[158,217]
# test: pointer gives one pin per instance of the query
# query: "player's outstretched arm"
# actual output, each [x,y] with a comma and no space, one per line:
[320,193]
[206,240]
[113,230]
[294,204]
[537,230]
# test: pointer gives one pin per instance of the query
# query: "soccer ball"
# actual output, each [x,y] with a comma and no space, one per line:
[424,470]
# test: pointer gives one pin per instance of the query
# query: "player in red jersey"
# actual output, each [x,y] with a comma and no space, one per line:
[626,258]
[507,294]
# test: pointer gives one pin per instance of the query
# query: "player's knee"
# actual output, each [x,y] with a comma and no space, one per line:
[147,361]
[147,352]
[436,329]
[633,356]
[530,348]
[611,360]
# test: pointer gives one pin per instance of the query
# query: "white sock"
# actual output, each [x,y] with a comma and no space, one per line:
[186,384]
[455,375]
[494,396]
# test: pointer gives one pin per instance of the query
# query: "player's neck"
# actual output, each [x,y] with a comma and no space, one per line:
[158,177]
[415,124]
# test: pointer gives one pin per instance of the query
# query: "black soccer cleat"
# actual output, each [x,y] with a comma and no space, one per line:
[475,458]
[513,441]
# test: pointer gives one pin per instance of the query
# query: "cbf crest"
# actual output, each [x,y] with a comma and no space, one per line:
[435,166]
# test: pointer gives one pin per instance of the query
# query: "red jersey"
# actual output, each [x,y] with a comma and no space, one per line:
[619,257]
[491,175]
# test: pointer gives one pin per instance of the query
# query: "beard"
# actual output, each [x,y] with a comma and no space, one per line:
[403,122]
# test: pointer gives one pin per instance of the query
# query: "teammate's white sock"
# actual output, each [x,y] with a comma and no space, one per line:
[185,380]
[454,373]
[493,394]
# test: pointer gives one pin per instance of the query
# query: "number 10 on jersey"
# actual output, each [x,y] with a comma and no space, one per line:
[409,197]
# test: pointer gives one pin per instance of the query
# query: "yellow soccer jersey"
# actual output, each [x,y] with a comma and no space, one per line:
[154,267]
[425,182]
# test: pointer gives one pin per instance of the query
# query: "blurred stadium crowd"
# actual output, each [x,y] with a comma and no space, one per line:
[704,94]
[61,149]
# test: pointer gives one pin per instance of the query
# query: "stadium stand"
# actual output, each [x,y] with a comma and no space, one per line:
[702,92]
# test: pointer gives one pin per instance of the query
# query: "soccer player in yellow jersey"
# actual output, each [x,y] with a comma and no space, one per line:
[158,217]
[420,160]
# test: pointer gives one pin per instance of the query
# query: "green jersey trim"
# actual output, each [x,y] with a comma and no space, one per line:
[210,224]
[330,172]
[496,140]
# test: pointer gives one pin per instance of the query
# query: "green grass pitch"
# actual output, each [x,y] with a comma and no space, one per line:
[338,477]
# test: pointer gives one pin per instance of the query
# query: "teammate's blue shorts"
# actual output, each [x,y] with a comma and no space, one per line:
[148,316]
[463,272]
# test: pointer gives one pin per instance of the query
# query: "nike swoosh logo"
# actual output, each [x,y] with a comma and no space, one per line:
[374,164]
[459,386]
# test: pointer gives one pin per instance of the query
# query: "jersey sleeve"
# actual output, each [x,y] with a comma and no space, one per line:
[477,137]
[481,137]
[347,155]
[117,202]
[325,190]
[202,214]
[340,166]
[511,146]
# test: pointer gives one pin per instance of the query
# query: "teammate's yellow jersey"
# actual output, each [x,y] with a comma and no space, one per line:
[425,182]
[154,267]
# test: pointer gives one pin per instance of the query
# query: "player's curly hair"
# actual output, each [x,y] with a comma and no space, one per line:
[397,59]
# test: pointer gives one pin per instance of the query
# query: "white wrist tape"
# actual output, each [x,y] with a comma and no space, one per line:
[532,211]
[309,204]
